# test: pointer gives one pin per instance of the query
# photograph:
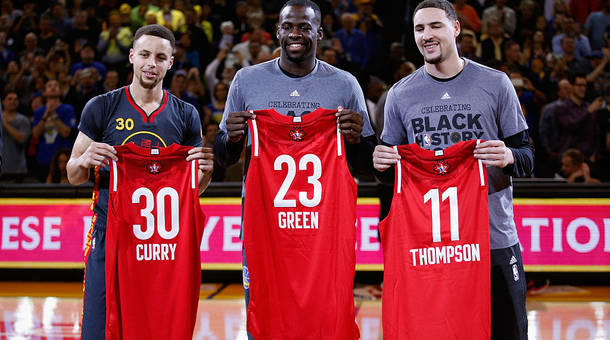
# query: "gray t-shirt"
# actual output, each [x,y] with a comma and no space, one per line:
[265,86]
[479,103]
[13,152]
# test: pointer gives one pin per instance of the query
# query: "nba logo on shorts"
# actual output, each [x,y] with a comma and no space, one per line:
[515,272]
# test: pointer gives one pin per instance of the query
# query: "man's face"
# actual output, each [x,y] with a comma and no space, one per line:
[347,22]
[513,53]
[567,166]
[435,34]
[10,102]
[298,33]
[87,54]
[494,28]
[330,56]
[467,45]
[51,89]
[210,132]
[151,57]
[580,88]
[112,79]
[567,44]
[565,89]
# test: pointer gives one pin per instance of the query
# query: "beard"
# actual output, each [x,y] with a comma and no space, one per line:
[434,60]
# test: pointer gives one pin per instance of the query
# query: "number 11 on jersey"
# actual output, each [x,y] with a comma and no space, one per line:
[454,224]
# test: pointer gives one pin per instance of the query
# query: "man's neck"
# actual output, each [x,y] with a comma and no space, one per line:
[53,100]
[9,114]
[447,68]
[145,96]
[300,70]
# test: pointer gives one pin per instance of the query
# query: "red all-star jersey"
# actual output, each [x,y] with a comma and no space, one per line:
[154,228]
[436,247]
[299,228]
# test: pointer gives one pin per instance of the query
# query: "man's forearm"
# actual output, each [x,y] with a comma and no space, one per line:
[360,155]
[226,152]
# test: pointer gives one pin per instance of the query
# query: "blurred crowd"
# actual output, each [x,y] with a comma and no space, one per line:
[55,56]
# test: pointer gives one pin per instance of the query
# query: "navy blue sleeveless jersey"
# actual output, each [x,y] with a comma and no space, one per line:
[114,118]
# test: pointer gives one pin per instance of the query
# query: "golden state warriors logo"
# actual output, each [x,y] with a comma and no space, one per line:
[297,133]
[441,167]
[154,167]
[145,139]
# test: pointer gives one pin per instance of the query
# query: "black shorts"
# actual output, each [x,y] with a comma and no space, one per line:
[508,289]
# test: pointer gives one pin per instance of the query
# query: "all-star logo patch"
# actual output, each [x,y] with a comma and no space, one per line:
[154,167]
[441,167]
[297,133]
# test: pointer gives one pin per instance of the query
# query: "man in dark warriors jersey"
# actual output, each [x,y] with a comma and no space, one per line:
[142,113]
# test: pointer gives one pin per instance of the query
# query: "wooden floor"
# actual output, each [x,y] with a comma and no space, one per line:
[45,311]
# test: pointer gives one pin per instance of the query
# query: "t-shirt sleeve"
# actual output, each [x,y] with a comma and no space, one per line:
[235,101]
[358,104]
[68,117]
[509,113]
[91,120]
[393,131]
[192,135]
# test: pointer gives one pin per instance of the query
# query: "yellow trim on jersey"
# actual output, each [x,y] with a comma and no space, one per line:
[146,132]
[220,201]
[221,266]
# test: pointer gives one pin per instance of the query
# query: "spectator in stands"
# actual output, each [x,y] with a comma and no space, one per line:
[46,35]
[16,79]
[505,15]
[178,88]
[574,168]
[112,81]
[211,130]
[255,23]
[526,20]
[138,13]
[536,47]
[59,22]
[468,16]
[31,49]
[376,87]
[513,58]
[114,43]
[16,132]
[214,110]
[199,39]
[125,13]
[353,42]
[227,40]
[572,62]
[6,54]
[221,69]
[26,23]
[171,18]
[596,25]
[240,19]
[602,163]
[582,48]
[547,148]
[57,170]
[87,60]
[371,26]
[81,32]
[468,45]
[576,124]
[492,46]
[245,52]
[85,88]
[580,9]
[52,125]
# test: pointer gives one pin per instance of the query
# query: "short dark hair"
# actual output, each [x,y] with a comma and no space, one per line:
[573,75]
[440,4]
[575,155]
[157,31]
[305,3]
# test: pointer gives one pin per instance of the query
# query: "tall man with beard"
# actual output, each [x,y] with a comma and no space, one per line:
[142,113]
[295,84]
[451,99]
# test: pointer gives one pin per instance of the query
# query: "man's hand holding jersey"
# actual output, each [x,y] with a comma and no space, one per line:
[351,124]
[384,157]
[237,124]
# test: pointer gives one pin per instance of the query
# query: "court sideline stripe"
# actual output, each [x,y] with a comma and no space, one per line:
[211,296]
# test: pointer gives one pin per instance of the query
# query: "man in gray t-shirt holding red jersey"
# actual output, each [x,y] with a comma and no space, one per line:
[451,99]
[295,84]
